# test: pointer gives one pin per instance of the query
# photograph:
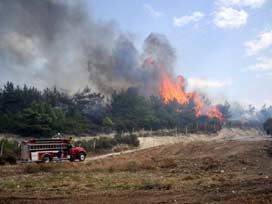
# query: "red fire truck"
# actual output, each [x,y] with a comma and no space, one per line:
[47,150]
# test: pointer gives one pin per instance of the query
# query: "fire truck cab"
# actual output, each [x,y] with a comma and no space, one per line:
[47,150]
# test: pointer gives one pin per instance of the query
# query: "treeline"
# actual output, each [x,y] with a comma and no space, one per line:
[28,111]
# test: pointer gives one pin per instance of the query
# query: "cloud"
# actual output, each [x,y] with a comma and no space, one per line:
[241,3]
[152,11]
[227,17]
[201,83]
[263,41]
[264,64]
[184,20]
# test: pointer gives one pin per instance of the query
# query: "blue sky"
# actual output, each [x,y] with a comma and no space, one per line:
[223,47]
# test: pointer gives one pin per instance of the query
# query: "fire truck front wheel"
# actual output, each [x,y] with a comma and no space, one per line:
[46,159]
[82,156]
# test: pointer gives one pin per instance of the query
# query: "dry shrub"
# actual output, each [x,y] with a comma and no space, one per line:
[52,167]
[187,178]
[147,165]
[140,165]
[121,165]
[120,148]
[155,186]
[132,166]
[221,179]
[209,163]
[67,166]
[168,164]
[36,168]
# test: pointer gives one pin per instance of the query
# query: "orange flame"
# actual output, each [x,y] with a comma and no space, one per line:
[215,113]
[171,90]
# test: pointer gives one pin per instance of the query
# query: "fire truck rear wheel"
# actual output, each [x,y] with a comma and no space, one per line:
[82,156]
[46,159]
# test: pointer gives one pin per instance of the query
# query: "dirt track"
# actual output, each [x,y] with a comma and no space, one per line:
[225,170]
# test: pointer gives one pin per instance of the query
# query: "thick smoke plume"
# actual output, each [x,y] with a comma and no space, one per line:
[58,43]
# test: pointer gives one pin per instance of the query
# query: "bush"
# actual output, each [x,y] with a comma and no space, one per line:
[155,186]
[268,126]
[10,149]
[2,160]
[127,139]
[11,159]
[10,146]
[105,143]
[36,168]
[7,159]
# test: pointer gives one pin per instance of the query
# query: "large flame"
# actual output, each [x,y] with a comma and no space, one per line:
[171,90]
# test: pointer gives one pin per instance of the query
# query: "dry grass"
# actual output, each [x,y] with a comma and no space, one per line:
[188,173]
[121,147]
[121,165]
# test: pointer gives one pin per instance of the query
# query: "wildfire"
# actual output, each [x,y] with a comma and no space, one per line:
[171,90]
[215,113]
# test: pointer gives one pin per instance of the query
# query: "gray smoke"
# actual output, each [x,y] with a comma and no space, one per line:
[250,113]
[58,43]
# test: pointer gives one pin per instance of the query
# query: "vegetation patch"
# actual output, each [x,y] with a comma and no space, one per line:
[36,168]
[155,186]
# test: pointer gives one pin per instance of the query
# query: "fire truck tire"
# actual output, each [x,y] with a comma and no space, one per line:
[82,156]
[46,159]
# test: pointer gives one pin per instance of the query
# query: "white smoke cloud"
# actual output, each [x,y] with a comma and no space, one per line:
[263,64]
[152,11]
[241,3]
[228,17]
[184,20]
[263,41]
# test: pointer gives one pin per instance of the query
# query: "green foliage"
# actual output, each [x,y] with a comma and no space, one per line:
[130,111]
[9,146]
[10,150]
[40,120]
[27,111]
[107,122]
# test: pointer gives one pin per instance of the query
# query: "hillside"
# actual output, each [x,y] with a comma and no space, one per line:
[211,170]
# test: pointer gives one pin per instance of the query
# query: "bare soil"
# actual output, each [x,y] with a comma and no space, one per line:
[227,170]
